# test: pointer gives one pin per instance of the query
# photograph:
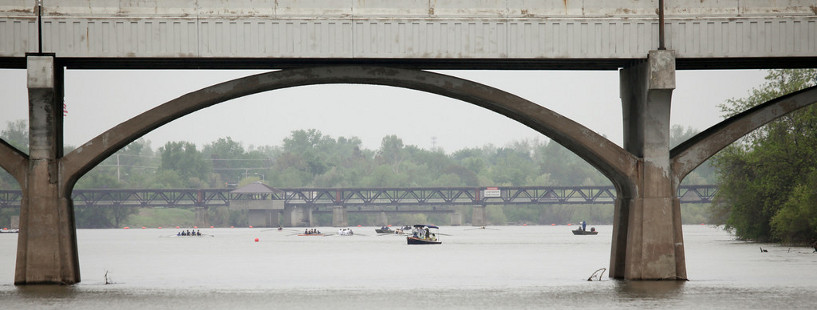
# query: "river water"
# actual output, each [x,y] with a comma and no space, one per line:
[504,267]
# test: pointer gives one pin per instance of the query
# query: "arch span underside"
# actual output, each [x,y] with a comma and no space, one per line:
[613,161]
[693,152]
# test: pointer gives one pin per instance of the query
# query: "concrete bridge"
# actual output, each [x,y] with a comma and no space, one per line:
[389,43]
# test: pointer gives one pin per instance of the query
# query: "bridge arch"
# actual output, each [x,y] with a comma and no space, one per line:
[693,152]
[14,161]
[613,161]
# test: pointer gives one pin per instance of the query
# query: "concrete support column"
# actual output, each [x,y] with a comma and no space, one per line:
[309,220]
[202,217]
[339,217]
[479,216]
[382,219]
[47,243]
[298,216]
[457,217]
[647,240]
[262,218]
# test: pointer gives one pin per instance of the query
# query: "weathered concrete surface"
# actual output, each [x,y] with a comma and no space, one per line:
[382,219]
[647,237]
[263,218]
[340,218]
[297,216]
[457,217]
[47,245]
[479,216]
[454,33]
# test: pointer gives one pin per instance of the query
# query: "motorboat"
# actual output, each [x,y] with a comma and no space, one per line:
[580,231]
[421,234]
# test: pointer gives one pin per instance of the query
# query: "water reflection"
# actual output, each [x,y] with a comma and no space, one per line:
[649,289]
[53,293]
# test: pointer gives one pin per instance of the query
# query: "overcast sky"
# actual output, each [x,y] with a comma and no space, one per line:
[98,100]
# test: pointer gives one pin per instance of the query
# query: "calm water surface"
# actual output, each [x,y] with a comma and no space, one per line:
[515,267]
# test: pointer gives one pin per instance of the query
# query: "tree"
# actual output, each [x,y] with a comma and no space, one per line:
[767,178]
[186,161]
[227,159]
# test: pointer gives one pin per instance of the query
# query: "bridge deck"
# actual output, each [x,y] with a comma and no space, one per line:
[466,34]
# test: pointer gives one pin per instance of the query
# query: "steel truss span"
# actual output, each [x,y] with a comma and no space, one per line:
[359,198]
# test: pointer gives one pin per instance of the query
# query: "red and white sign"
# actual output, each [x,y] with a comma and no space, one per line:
[492,192]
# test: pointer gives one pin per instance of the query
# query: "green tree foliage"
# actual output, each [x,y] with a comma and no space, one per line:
[183,159]
[767,179]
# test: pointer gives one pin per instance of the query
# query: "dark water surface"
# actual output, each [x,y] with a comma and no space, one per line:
[514,267]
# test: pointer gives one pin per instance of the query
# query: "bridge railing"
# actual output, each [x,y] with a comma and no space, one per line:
[359,197]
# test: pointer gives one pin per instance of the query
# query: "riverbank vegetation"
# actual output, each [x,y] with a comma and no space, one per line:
[768,180]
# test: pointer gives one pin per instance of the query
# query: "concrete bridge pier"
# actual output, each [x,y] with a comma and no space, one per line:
[340,217]
[457,217]
[263,217]
[647,237]
[479,216]
[382,219]
[47,242]
[298,216]
[202,217]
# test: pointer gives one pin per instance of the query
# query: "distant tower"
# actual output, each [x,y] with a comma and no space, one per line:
[433,143]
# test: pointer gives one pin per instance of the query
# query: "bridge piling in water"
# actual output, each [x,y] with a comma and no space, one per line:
[47,243]
[647,237]
[479,217]
[340,217]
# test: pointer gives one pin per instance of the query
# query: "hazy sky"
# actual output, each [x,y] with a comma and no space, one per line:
[98,100]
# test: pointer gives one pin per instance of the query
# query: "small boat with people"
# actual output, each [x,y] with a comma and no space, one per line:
[421,234]
[582,230]
[384,230]
[9,231]
[345,232]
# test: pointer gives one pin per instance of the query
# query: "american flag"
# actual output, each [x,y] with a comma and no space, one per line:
[64,109]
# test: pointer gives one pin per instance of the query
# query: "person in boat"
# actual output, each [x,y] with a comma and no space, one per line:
[584,225]
[428,235]
[814,245]
[198,232]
